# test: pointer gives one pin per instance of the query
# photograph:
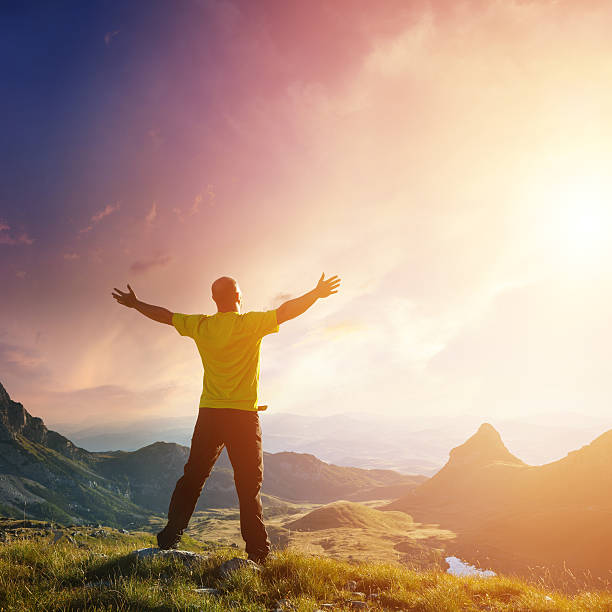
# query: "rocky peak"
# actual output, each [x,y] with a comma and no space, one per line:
[4,397]
[16,421]
[485,446]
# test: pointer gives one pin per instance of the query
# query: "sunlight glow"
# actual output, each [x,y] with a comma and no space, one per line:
[570,223]
[584,221]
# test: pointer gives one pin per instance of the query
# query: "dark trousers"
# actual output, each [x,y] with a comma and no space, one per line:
[240,433]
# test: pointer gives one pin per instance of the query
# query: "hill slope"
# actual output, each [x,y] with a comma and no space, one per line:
[349,514]
[44,474]
[516,514]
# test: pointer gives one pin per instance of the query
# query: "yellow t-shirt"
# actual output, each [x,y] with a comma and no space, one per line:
[229,344]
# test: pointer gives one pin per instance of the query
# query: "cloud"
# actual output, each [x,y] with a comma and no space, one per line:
[108,209]
[109,36]
[22,362]
[6,238]
[20,273]
[194,209]
[144,265]
[71,256]
[151,215]
[97,217]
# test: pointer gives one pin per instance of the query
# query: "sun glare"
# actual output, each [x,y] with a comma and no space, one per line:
[571,222]
[584,217]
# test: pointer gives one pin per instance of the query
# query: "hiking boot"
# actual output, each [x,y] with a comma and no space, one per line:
[259,558]
[168,538]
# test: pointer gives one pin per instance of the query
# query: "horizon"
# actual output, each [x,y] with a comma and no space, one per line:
[429,441]
[449,163]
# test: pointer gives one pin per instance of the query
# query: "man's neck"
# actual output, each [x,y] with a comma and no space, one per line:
[234,309]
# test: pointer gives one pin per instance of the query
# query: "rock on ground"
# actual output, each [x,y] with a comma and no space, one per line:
[225,569]
[186,556]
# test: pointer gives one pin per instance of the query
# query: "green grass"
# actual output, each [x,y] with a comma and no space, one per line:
[96,574]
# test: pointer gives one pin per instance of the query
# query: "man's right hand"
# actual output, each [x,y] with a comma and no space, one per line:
[128,299]
[325,287]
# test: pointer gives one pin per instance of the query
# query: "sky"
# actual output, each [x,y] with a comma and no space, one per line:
[449,161]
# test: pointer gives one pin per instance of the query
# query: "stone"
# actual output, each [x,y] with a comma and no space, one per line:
[225,569]
[186,556]
[351,585]
[207,591]
[284,604]
[124,531]
[358,605]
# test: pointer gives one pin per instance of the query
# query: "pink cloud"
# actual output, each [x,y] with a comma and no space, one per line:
[194,209]
[6,238]
[97,217]
[151,215]
[108,209]
[72,255]
[21,361]
[157,261]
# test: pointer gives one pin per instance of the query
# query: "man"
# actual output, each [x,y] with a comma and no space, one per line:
[229,344]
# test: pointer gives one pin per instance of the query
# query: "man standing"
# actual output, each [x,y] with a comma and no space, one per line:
[229,345]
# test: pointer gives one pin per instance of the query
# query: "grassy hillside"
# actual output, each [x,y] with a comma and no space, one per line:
[93,572]
[349,514]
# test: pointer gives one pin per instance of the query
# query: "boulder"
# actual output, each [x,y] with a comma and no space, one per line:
[186,556]
[227,568]
[207,591]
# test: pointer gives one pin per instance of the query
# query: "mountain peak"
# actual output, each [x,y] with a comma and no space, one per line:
[485,446]
[16,421]
[486,432]
[5,399]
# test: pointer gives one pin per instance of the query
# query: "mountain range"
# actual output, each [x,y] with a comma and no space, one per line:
[46,476]
[411,443]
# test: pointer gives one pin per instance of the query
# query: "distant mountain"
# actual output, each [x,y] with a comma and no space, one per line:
[303,477]
[411,443]
[150,473]
[44,473]
[517,515]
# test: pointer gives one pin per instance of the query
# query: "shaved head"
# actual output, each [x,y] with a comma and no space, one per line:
[226,293]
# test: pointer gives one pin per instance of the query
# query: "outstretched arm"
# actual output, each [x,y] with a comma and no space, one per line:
[157,313]
[294,308]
